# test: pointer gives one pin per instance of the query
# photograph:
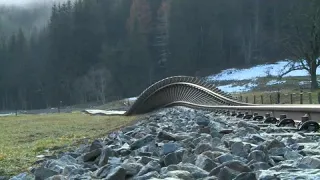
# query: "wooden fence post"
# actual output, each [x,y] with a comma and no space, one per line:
[301,97]
[254,99]
[16,108]
[246,99]
[318,97]
[261,99]
[291,98]
[270,96]
[310,98]
[240,97]
[278,97]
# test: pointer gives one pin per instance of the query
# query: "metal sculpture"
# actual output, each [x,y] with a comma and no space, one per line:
[181,90]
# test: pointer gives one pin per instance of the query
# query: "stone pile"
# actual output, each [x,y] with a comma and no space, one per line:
[181,143]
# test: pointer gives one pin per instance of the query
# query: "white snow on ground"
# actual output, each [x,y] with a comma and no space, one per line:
[132,98]
[102,112]
[252,74]
[273,82]
[256,71]
[231,88]
[4,115]
[304,83]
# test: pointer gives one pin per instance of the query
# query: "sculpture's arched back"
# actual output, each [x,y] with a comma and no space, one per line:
[180,90]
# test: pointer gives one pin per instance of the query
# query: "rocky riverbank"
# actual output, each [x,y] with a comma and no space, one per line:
[182,143]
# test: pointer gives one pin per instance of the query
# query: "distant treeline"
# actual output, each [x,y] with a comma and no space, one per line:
[94,50]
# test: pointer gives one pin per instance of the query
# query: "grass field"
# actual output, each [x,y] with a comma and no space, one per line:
[24,137]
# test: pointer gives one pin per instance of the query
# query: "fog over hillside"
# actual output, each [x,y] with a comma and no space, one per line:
[28,2]
[29,15]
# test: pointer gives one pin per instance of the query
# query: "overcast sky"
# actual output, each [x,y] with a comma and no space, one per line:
[26,2]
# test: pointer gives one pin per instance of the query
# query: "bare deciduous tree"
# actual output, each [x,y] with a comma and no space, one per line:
[95,85]
[304,43]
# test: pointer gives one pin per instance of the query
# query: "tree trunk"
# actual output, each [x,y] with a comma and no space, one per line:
[313,75]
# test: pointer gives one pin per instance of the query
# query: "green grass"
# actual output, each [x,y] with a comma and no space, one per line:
[24,137]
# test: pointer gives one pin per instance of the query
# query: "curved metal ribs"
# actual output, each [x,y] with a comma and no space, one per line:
[183,91]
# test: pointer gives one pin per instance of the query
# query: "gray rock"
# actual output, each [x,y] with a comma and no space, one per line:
[57,177]
[269,177]
[117,173]
[145,160]
[171,158]
[188,157]
[203,139]
[210,178]
[238,149]
[96,144]
[147,176]
[141,142]
[106,152]
[165,170]
[194,170]
[310,162]
[180,154]
[296,146]
[103,171]
[92,155]
[22,176]
[148,154]
[229,157]
[260,147]
[151,166]
[226,174]
[185,175]
[274,144]
[257,155]
[68,169]
[257,138]
[212,154]
[202,147]
[284,166]
[114,161]
[78,171]
[169,148]
[59,164]
[277,158]
[259,166]
[278,151]
[43,173]
[205,163]
[188,143]
[292,155]
[234,165]
[162,135]
[132,169]
[224,158]
[124,152]
[246,125]
[246,176]
[214,132]
[202,121]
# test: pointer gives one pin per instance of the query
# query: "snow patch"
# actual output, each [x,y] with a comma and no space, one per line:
[4,115]
[132,99]
[257,71]
[236,88]
[274,82]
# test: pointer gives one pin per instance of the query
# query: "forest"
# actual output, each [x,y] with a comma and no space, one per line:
[98,51]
